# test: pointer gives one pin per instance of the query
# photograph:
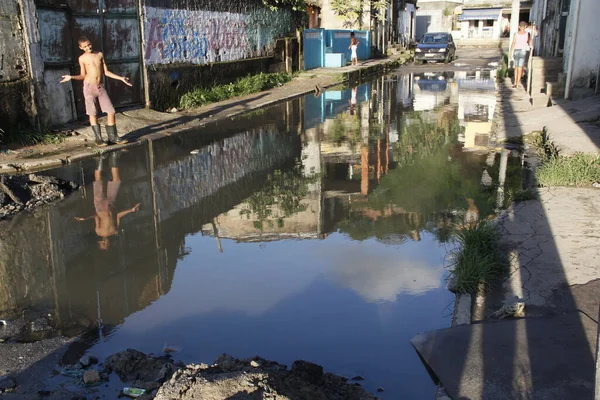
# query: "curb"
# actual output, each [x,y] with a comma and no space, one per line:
[461,315]
[350,76]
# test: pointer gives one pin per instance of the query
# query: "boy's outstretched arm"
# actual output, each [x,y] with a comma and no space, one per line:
[84,219]
[128,211]
[123,79]
[80,77]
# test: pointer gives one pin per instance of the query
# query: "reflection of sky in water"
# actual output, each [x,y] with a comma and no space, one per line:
[341,303]
[349,305]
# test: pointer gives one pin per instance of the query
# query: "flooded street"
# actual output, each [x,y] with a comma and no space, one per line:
[317,229]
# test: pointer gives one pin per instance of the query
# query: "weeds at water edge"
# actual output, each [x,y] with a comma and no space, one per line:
[243,86]
[478,261]
[29,137]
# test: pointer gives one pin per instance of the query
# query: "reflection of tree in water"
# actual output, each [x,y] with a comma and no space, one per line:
[421,137]
[345,129]
[428,188]
[280,198]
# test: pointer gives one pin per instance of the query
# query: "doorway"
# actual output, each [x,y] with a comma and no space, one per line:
[112,26]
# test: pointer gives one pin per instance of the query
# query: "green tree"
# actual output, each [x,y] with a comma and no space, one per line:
[351,11]
[296,5]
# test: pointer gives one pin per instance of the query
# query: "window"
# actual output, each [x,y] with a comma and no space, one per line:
[435,38]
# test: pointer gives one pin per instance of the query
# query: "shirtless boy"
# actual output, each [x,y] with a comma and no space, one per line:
[93,67]
[354,42]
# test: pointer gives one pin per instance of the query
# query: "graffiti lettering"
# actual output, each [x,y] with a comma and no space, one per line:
[194,36]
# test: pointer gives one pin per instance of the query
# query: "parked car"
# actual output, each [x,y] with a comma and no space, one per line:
[435,46]
[433,81]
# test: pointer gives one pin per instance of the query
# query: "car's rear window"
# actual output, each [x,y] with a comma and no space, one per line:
[435,39]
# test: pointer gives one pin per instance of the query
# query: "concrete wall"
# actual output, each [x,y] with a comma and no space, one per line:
[430,17]
[181,33]
[167,83]
[406,23]
[16,107]
[582,39]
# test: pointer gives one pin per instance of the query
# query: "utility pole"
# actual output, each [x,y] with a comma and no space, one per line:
[514,19]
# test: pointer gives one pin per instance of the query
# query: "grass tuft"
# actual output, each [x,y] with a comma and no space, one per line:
[29,137]
[243,86]
[520,195]
[578,170]
[478,261]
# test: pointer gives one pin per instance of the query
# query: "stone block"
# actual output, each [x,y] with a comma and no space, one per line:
[539,100]
[555,89]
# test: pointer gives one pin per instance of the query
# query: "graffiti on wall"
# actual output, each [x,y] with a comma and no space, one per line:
[202,37]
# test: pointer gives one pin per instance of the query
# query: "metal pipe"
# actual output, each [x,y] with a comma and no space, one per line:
[572,50]
[144,71]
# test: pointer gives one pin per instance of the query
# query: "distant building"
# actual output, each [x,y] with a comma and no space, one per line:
[396,27]
[488,19]
[435,16]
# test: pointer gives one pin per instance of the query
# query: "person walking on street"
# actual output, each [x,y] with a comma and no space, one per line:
[92,70]
[521,44]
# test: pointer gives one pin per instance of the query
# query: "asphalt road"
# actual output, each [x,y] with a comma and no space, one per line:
[466,59]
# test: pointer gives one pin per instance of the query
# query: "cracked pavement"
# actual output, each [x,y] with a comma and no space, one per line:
[552,245]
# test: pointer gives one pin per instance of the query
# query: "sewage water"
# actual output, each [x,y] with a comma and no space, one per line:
[317,229]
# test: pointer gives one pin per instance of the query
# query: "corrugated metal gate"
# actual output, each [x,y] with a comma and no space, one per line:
[112,27]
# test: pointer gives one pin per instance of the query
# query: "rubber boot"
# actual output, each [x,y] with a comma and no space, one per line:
[113,159]
[98,135]
[100,166]
[113,138]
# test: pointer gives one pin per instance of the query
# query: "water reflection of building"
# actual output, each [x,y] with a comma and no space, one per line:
[51,262]
[476,106]
[360,153]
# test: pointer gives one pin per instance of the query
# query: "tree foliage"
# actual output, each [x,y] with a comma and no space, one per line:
[296,5]
[352,11]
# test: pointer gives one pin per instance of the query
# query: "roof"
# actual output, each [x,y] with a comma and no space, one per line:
[480,14]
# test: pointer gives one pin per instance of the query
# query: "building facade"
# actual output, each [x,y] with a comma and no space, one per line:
[566,29]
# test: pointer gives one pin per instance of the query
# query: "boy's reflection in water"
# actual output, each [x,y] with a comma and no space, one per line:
[353,100]
[107,223]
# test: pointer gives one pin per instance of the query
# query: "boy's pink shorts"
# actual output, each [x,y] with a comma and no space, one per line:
[91,92]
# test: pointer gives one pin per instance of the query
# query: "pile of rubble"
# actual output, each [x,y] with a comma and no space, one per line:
[26,192]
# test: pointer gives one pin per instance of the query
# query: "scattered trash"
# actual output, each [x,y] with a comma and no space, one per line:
[133,392]
[73,371]
[513,310]
[254,364]
[86,361]
[195,151]
[173,110]
[91,377]
[3,322]
[596,184]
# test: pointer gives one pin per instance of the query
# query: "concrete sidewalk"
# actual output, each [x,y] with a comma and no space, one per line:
[552,244]
[141,124]
[573,126]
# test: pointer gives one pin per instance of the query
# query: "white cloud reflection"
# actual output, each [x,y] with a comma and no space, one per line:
[383,277]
